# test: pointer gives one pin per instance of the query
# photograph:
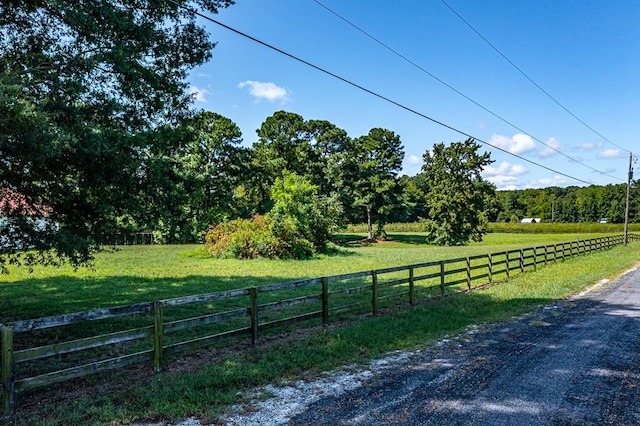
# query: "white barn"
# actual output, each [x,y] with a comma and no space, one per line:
[531,220]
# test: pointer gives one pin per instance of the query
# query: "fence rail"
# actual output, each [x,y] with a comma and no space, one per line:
[247,314]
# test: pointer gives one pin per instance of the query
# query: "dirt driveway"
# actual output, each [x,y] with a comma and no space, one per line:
[576,362]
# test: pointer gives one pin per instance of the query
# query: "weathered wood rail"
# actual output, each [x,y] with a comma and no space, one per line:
[324,297]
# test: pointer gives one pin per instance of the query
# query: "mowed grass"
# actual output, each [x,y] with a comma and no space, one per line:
[203,385]
[133,274]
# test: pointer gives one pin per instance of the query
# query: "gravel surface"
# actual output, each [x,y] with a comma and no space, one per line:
[575,362]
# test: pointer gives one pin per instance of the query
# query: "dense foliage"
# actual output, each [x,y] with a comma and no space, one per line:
[81,84]
[299,224]
[458,196]
[570,204]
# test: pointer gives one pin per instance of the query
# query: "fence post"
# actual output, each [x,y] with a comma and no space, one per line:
[545,255]
[507,263]
[521,260]
[253,311]
[563,250]
[468,265]
[412,296]
[325,300]
[535,258]
[8,391]
[374,292]
[158,335]
[490,267]
[441,277]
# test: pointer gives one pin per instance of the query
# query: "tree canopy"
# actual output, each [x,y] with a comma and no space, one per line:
[375,160]
[79,82]
[458,196]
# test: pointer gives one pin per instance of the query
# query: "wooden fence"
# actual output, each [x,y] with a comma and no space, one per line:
[249,311]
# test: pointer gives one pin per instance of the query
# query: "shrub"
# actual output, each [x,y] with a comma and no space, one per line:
[299,223]
[239,238]
[267,236]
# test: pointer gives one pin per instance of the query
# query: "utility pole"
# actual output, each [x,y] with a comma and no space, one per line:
[626,212]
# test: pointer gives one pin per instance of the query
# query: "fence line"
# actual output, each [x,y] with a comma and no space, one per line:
[348,292]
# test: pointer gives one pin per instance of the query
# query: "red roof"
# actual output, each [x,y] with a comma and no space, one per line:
[13,203]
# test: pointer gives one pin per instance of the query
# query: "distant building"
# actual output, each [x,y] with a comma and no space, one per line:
[531,220]
[603,220]
[14,204]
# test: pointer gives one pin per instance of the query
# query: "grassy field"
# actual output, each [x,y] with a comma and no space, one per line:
[203,384]
[134,274]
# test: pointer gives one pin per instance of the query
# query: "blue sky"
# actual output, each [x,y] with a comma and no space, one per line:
[584,53]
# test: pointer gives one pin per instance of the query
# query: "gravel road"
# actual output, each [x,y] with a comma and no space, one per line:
[576,362]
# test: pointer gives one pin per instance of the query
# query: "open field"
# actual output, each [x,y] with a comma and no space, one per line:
[134,274]
[203,384]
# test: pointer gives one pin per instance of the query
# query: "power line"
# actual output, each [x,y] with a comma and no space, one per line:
[456,90]
[371,92]
[529,78]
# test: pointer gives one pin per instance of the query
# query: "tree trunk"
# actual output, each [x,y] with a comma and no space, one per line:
[369,227]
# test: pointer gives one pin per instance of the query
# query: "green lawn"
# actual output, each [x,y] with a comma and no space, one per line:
[145,273]
[205,383]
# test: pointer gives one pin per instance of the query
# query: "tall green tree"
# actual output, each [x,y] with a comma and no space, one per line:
[283,145]
[216,162]
[190,173]
[78,82]
[328,143]
[372,164]
[458,196]
[287,142]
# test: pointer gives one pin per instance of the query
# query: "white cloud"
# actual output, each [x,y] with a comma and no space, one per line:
[552,148]
[556,180]
[504,176]
[518,144]
[198,93]
[265,90]
[611,153]
[504,182]
[505,169]
[588,146]
[413,159]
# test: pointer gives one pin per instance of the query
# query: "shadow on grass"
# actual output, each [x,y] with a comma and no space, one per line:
[334,248]
[40,297]
[359,240]
[338,250]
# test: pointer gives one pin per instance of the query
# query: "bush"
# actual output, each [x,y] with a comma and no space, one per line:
[261,236]
[299,223]
[239,238]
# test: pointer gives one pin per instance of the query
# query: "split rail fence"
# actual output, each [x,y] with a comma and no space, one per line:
[153,332]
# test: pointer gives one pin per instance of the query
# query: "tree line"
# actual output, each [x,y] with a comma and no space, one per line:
[570,204]
[358,176]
